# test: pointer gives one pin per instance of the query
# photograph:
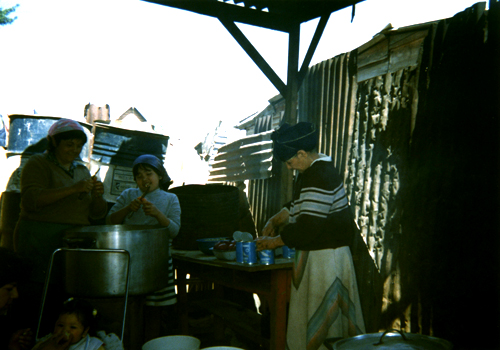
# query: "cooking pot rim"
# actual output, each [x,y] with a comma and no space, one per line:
[359,341]
[114,228]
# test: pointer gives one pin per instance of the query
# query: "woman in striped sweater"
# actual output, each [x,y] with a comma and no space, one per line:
[318,223]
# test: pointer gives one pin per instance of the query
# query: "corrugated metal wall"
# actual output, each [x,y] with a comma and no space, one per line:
[403,135]
[377,167]
[264,195]
[325,99]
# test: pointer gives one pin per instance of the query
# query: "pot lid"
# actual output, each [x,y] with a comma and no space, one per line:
[392,339]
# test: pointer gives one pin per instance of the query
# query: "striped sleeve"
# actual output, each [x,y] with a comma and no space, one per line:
[320,216]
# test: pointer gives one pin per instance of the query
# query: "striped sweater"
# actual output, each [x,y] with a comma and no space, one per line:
[320,216]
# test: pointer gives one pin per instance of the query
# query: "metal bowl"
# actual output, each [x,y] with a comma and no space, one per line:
[227,255]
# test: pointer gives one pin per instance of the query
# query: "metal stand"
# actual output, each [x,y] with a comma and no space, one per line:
[92,273]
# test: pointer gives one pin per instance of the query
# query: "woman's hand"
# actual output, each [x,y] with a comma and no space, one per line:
[269,230]
[21,340]
[275,222]
[83,186]
[97,188]
[267,242]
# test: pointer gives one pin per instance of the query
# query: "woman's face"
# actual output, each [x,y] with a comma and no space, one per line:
[7,295]
[70,324]
[300,162]
[147,179]
[68,150]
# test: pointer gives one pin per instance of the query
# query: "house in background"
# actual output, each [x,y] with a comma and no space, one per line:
[133,119]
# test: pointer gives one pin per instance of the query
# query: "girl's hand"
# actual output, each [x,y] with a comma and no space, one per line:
[149,208]
[135,205]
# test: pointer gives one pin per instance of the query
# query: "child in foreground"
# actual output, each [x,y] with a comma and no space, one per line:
[75,321]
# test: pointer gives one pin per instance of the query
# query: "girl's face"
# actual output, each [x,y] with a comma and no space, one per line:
[70,324]
[147,179]
[68,150]
[7,295]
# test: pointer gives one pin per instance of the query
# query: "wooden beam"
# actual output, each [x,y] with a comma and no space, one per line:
[255,55]
[292,75]
[312,48]
[274,21]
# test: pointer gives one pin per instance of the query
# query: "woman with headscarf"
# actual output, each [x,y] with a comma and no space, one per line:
[57,194]
[151,204]
[318,223]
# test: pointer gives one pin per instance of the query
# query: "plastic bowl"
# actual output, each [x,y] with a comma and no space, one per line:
[228,255]
[204,244]
[173,342]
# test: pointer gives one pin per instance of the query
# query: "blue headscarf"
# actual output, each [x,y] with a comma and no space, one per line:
[153,161]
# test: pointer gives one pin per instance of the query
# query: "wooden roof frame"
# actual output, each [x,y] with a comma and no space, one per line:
[281,15]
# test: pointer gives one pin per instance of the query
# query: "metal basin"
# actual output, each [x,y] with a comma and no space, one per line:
[148,247]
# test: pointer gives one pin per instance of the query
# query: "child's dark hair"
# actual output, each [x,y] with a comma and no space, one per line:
[67,135]
[164,185]
[83,310]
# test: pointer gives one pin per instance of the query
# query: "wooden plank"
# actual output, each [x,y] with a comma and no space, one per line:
[374,70]
[376,51]
[405,55]
[405,38]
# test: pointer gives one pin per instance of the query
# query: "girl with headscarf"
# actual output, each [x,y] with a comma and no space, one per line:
[318,223]
[57,194]
[151,204]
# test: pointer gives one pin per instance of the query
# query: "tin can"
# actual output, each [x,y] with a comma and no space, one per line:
[288,253]
[249,252]
[239,252]
[266,257]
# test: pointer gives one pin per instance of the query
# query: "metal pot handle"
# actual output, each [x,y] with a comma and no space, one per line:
[390,331]
[84,243]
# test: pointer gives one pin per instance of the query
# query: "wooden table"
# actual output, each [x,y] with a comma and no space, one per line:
[270,281]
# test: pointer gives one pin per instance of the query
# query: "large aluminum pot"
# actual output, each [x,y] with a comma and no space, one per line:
[390,340]
[148,247]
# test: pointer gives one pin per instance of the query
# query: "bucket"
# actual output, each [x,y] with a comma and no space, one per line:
[114,151]
[173,342]
[207,211]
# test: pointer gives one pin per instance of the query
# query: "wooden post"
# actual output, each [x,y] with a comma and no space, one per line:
[291,104]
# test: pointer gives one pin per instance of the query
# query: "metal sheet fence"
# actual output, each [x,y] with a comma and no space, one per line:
[377,129]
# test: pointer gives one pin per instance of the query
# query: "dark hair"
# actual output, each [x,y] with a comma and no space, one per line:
[13,267]
[164,185]
[83,310]
[67,135]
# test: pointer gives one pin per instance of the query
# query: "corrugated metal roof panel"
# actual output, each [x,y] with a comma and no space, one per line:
[249,158]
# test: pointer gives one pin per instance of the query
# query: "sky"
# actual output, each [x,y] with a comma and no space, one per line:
[183,71]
